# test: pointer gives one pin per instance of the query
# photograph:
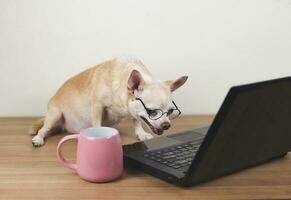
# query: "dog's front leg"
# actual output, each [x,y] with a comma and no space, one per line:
[139,132]
[96,115]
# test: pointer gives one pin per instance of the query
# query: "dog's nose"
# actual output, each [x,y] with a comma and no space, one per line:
[166,125]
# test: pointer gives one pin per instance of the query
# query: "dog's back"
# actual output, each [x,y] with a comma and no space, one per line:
[105,83]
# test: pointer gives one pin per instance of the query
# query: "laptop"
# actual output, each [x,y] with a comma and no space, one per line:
[252,126]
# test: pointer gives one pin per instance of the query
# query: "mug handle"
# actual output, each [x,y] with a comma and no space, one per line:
[60,157]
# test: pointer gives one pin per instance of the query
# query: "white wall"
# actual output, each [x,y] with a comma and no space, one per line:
[217,43]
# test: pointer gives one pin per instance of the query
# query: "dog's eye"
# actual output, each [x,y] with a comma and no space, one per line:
[152,113]
[170,111]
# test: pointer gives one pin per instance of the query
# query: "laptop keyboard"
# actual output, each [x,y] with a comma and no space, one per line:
[178,157]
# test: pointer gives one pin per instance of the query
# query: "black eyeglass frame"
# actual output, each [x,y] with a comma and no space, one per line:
[149,110]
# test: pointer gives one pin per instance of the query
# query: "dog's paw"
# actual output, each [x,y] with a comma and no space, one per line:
[37,141]
[144,136]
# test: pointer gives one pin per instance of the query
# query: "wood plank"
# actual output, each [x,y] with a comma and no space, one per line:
[31,173]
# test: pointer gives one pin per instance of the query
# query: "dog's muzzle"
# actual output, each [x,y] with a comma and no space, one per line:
[155,130]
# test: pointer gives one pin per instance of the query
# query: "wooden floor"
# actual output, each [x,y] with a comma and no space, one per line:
[34,173]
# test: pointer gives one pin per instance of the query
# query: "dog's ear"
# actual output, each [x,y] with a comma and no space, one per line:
[174,85]
[135,82]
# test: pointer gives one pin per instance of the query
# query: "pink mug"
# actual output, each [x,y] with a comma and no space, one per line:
[99,154]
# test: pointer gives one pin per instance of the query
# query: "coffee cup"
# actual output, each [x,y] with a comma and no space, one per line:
[99,154]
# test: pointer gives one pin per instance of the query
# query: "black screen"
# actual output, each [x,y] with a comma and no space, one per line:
[253,125]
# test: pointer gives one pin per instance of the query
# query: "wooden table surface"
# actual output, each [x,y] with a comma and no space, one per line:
[34,173]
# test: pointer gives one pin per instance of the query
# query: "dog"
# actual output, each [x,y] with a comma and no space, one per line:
[107,93]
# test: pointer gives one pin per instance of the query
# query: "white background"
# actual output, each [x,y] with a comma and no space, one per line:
[217,43]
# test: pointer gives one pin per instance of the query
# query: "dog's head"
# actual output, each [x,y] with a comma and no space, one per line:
[151,101]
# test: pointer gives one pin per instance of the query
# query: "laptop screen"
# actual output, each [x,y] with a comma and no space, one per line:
[252,126]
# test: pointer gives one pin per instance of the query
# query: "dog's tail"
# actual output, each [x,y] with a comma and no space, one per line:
[36,126]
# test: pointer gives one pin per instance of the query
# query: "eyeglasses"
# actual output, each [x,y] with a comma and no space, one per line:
[158,113]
